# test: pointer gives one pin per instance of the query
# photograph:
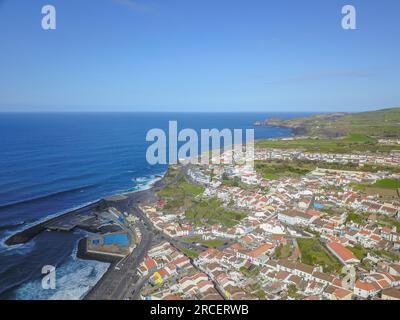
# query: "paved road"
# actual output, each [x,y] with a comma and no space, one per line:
[121,281]
[115,283]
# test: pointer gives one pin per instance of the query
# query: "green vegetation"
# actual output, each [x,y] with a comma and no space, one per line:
[354,217]
[382,123]
[236,182]
[382,184]
[358,251]
[210,212]
[180,194]
[389,222]
[392,256]
[190,253]
[208,243]
[283,251]
[330,211]
[332,145]
[171,174]
[251,272]
[292,292]
[182,187]
[387,183]
[261,294]
[213,243]
[192,189]
[191,239]
[276,169]
[313,252]
[184,196]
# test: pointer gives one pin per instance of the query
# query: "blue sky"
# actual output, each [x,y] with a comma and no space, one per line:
[192,55]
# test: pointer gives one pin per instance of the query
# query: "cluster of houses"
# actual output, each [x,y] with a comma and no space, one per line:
[171,276]
[279,211]
[391,159]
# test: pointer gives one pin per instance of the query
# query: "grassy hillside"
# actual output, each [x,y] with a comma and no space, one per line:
[351,143]
[380,123]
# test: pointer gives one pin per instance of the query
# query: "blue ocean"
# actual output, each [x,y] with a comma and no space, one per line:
[53,162]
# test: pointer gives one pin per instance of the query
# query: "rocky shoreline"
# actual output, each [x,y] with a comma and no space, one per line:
[29,233]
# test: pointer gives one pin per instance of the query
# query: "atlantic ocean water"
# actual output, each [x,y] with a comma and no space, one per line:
[53,162]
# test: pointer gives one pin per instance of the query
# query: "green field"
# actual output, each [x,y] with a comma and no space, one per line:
[313,252]
[190,253]
[250,272]
[355,217]
[212,243]
[383,183]
[276,169]
[358,251]
[180,194]
[387,183]
[191,239]
[333,145]
[181,188]
[211,212]
[392,256]
[283,251]
[381,123]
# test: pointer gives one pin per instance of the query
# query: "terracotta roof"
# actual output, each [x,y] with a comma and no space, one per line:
[341,293]
[296,213]
[260,250]
[323,276]
[150,263]
[281,275]
[366,286]
[344,253]
[163,272]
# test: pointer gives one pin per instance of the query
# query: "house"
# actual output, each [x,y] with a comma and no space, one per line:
[259,255]
[295,217]
[342,253]
[337,293]
[394,269]
[365,289]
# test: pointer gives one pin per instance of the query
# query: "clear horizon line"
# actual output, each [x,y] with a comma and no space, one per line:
[106,111]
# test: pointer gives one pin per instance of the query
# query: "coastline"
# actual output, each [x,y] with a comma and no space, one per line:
[123,200]
[126,202]
[135,197]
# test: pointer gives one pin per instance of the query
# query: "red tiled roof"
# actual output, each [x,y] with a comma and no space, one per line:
[366,286]
[344,253]
[150,263]
[260,250]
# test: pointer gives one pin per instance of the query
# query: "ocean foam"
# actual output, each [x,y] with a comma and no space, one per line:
[74,279]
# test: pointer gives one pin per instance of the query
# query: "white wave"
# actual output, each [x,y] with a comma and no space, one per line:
[22,248]
[146,183]
[74,279]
